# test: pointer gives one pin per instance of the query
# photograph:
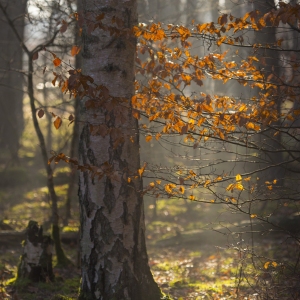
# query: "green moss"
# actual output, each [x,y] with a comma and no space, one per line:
[70,229]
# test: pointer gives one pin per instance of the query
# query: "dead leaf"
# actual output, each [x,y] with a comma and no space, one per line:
[75,50]
[57,123]
[35,56]
[56,61]
[41,113]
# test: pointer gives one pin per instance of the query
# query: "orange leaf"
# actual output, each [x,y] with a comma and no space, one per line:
[141,171]
[192,197]
[181,189]
[57,122]
[75,50]
[56,61]
[148,138]
[266,265]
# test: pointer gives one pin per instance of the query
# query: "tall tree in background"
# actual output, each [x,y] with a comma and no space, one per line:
[11,82]
[114,258]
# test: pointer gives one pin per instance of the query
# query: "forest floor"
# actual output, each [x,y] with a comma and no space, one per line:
[199,265]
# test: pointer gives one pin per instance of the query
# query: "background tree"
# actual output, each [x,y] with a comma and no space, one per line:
[32,55]
[11,79]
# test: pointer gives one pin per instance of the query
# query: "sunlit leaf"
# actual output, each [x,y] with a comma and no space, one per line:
[56,62]
[274,264]
[230,187]
[181,189]
[75,50]
[192,197]
[141,170]
[239,186]
[57,123]
[238,177]
[169,187]
[266,265]
[148,138]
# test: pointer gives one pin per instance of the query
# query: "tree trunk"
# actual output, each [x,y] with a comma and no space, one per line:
[11,81]
[75,137]
[113,252]
[36,261]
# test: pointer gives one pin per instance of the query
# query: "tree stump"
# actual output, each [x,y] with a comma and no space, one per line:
[36,261]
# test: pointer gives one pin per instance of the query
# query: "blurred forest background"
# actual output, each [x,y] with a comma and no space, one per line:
[217,244]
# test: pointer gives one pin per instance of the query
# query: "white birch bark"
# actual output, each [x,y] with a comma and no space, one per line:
[114,258]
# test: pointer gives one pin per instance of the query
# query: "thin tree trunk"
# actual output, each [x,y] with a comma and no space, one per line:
[73,153]
[61,258]
[75,136]
[114,259]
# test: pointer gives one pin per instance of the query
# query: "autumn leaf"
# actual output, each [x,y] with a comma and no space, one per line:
[148,138]
[64,27]
[75,50]
[230,187]
[141,170]
[181,189]
[239,187]
[238,177]
[56,61]
[266,265]
[253,216]
[41,113]
[35,55]
[222,19]
[192,197]
[57,123]
[169,187]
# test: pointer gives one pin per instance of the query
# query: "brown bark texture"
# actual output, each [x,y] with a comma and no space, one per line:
[113,252]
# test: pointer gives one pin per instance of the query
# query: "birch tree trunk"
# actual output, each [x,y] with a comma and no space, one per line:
[113,252]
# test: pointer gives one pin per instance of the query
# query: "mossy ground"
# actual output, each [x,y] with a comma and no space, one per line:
[183,271]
